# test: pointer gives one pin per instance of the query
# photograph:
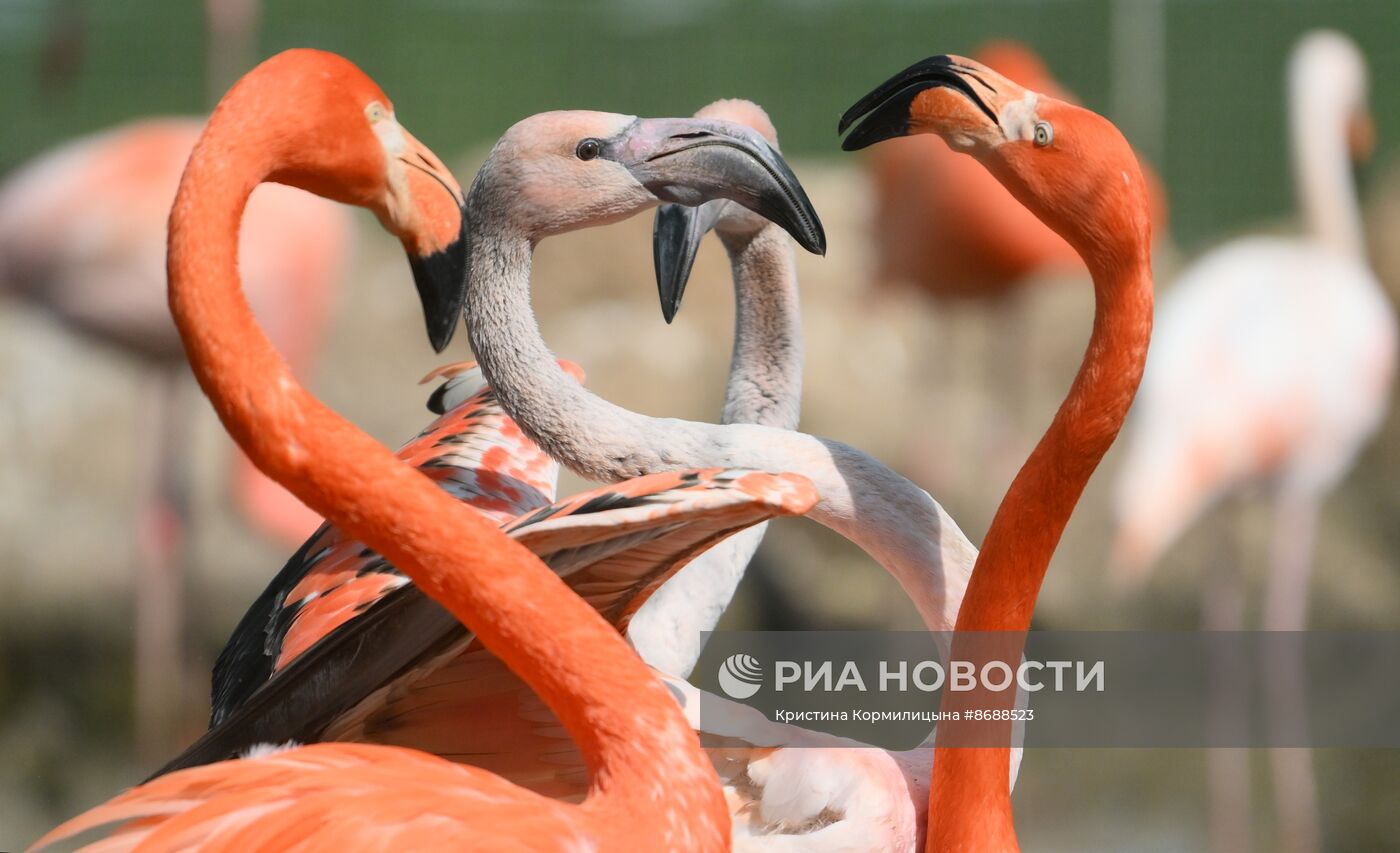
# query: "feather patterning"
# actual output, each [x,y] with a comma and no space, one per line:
[342,647]
[473,450]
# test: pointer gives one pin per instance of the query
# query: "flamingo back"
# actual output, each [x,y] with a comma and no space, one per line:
[329,796]
[1272,361]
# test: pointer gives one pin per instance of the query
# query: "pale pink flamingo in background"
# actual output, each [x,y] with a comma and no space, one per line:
[82,234]
[1074,170]
[652,787]
[1273,366]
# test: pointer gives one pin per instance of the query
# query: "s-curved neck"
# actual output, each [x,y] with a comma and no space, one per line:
[1322,163]
[970,801]
[889,517]
[621,718]
[765,370]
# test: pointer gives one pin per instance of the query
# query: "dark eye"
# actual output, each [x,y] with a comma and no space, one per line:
[588,149]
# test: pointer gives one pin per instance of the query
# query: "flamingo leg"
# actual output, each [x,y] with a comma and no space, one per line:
[161,525]
[1227,769]
[1285,610]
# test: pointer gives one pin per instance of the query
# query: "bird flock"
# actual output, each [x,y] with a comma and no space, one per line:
[458,657]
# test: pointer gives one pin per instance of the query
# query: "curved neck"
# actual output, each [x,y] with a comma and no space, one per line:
[970,797]
[1027,526]
[621,718]
[764,387]
[885,514]
[765,370]
[1322,167]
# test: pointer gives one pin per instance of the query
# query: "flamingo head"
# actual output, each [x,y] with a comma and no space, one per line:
[563,171]
[1329,83]
[330,130]
[1068,165]
[679,229]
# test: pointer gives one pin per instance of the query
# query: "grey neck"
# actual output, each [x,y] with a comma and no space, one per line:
[892,519]
[765,373]
[764,387]
[589,435]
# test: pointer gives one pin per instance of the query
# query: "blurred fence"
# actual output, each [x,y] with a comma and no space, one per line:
[1196,83]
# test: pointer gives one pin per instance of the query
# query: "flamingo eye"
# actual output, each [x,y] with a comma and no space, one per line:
[375,112]
[588,149]
[1044,134]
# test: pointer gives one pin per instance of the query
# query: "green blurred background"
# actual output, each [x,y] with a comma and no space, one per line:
[463,71]
[1197,85]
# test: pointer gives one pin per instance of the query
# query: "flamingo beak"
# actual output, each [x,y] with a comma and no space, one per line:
[889,110]
[1361,136]
[691,161]
[675,239]
[435,241]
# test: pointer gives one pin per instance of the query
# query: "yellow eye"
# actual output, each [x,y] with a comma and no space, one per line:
[375,112]
[1044,134]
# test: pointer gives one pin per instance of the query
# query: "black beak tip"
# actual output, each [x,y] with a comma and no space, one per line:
[441,279]
[849,117]
[886,108]
[676,235]
[441,336]
[886,120]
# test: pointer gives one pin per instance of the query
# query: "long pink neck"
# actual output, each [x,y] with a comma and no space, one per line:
[970,800]
[631,733]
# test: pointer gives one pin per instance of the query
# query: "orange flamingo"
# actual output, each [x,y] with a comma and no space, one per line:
[1072,169]
[82,234]
[314,120]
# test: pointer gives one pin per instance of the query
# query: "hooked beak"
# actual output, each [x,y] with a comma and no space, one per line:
[436,240]
[888,110]
[675,238]
[692,161]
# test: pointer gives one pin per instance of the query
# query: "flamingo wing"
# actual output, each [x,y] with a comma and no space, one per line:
[377,677]
[473,450]
[614,546]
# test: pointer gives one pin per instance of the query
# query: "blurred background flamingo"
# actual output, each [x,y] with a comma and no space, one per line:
[82,236]
[1272,367]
